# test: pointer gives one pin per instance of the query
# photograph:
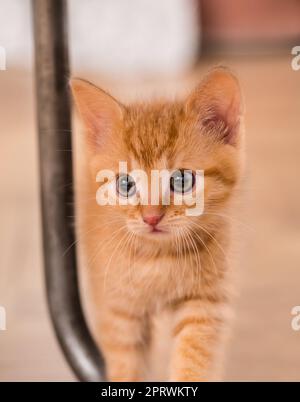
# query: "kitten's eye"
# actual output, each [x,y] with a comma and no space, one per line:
[126,185]
[182,181]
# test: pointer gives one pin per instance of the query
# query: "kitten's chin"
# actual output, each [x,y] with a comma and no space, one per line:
[147,233]
[155,234]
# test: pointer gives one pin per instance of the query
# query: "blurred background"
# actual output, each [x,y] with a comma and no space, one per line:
[143,48]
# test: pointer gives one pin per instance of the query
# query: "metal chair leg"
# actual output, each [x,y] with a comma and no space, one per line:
[54,125]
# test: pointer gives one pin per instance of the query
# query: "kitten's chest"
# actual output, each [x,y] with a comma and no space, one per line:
[151,282]
[155,282]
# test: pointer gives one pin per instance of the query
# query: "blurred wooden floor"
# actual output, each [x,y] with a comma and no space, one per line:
[263,345]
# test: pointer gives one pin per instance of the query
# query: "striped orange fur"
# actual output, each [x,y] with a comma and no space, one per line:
[135,275]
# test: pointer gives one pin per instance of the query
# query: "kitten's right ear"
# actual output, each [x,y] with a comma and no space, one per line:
[100,112]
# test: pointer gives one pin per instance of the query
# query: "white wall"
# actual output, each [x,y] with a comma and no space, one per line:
[15,32]
[112,36]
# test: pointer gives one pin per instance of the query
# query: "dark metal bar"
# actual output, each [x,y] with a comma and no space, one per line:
[54,124]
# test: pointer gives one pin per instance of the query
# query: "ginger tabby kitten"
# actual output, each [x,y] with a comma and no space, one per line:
[143,260]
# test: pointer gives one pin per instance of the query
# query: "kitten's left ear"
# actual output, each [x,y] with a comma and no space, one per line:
[217,105]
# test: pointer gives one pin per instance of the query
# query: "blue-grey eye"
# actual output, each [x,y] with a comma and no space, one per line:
[126,185]
[182,181]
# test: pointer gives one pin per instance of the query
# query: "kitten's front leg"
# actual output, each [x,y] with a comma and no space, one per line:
[122,336]
[197,336]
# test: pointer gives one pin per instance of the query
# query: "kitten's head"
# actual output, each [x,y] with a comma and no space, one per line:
[203,132]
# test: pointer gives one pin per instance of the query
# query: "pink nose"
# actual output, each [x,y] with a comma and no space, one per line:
[152,220]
